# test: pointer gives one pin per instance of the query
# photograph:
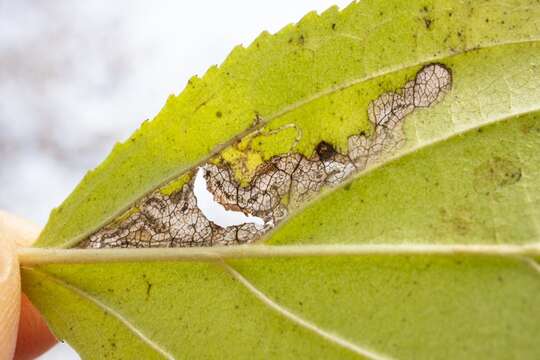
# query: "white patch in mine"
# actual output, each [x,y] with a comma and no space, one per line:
[216,212]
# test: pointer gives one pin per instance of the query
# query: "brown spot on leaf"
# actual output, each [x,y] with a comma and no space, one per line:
[459,220]
[461,225]
[496,173]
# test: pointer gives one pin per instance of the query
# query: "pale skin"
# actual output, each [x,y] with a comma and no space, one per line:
[23,332]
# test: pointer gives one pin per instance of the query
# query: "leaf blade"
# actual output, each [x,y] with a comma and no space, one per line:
[350,287]
[161,150]
[346,296]
[202,319]
[421,197]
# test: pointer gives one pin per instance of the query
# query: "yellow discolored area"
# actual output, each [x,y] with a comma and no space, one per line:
[175,185]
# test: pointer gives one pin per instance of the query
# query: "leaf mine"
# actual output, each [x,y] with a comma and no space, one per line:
[281,184]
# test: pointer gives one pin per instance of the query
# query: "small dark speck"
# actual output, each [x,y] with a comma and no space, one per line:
[334,26]
[325,150]
[428,22]
[219,114]
[487,20]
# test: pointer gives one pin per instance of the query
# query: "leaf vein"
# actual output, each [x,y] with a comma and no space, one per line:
[83,294]
[288,314]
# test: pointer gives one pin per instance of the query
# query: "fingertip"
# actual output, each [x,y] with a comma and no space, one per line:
[34,337]
[10,288]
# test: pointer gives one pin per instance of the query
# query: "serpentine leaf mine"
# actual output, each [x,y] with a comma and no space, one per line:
[163,219]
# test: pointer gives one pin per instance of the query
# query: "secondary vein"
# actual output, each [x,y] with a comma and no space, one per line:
[109,310]
[298,320]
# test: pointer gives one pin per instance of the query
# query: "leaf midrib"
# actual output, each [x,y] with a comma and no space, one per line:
[37,256]
[287,109]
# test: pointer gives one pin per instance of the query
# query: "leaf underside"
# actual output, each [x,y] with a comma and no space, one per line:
[314,83]
[405,124]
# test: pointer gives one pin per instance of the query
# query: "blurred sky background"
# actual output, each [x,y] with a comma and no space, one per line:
[77,76]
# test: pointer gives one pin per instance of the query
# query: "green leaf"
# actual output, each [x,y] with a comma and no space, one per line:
[319,77]
[428,249]
[311,304]
[480,186]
